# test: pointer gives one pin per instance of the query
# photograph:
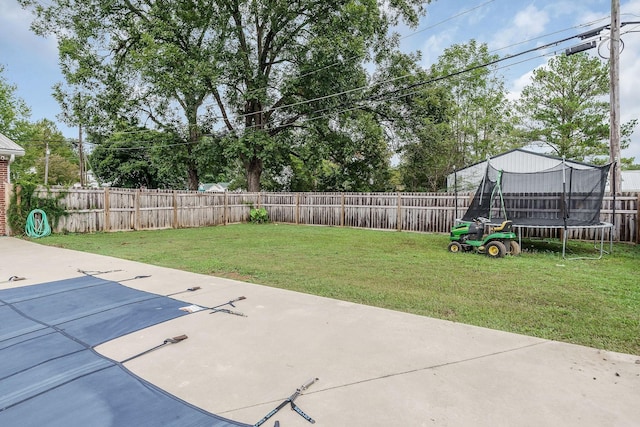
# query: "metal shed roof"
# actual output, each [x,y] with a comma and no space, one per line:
[516,160]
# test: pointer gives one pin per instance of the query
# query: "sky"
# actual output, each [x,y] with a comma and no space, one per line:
[508,27]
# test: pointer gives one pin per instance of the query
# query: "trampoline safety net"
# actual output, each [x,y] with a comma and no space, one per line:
[561,196]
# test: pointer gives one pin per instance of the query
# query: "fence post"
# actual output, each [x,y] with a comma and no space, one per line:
[224,209]
[136,209]
[107,209]
[175,209]
[297,213]
[342,210]
[399,217]
[638,219]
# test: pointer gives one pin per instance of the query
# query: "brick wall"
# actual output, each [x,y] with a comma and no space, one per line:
[4,168]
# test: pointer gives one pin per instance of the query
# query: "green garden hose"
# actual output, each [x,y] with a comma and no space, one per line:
[37,226]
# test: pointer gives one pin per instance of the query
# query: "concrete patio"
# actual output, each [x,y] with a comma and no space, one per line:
[375,367]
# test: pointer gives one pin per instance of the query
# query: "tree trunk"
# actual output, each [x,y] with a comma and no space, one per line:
[254,172]
[254,121]
[193,179]
[194,139]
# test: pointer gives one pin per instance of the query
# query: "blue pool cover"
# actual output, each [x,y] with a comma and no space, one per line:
[51,376]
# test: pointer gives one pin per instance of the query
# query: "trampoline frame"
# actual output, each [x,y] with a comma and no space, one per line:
[601,227]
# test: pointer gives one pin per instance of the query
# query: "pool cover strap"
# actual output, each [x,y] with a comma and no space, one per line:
[173,340]
[290,400]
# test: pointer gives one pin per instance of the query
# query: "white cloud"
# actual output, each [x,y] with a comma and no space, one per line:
[630,10]
[531,20]
[17,40]
[518,84]
[478,16]
[434,47]
[528,22]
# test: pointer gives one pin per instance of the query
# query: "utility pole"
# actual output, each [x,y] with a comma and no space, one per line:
[615,176]
[47,153]
[46,162]
[81,154]
[80,150]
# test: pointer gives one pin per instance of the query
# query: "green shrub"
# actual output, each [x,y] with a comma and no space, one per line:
[24,200]
[259,215]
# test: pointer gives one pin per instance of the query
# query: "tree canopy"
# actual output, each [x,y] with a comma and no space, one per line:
[14,112]
[250,72]
[62,167]
[481,122]
[458,118]
[298,95]
[564,106]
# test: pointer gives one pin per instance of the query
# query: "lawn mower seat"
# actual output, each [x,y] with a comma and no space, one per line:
[476,231]
[505,227]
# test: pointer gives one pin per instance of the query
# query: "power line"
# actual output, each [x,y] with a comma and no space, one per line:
[391,95]
[464,12]
[387,95]
[451,18]
[587,24]
[309,119]
[368,86]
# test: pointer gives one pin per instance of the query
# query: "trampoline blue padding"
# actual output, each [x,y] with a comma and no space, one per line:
[51,376]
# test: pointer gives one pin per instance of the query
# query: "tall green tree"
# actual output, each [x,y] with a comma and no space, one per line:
[564,106]
[429,150]
[14,113]
[481,120]
[259,68]
[133,156]
[417,116]
[426,162]
[60,165]
[125,159]
[348,153]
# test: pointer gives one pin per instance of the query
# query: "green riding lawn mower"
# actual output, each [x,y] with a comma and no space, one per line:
[470,236]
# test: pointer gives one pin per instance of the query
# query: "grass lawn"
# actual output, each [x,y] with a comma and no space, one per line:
[590,302]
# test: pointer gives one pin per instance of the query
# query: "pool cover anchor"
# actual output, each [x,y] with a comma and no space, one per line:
[14,279]
[290,400]
[216,308]
[173,340]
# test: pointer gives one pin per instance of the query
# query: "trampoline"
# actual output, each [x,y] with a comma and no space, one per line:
[50,374]
[561,197]
[599,234]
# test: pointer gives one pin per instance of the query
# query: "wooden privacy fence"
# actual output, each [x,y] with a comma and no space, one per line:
[426,212]
[116,209]
[120,209]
